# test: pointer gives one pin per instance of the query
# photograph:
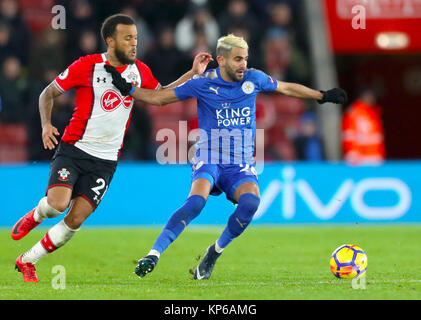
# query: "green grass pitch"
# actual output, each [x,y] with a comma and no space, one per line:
[265,263]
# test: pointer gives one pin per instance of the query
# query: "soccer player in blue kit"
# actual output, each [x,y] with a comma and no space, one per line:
[226,106]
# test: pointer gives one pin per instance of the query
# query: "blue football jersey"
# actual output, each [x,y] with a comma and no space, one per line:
[226,114]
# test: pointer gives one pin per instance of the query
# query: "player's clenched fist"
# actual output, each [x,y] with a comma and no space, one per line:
[335,95]
[48,136]
[121,84]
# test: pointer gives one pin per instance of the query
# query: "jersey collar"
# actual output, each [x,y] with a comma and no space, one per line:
[218,72]
[119,69]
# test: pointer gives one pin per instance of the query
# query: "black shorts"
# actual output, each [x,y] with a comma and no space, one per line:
[86,175]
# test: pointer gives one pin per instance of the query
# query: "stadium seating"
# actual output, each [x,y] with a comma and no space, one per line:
[37,13]
[287,113]
[13,142]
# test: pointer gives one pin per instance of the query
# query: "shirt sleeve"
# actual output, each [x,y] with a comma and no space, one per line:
[76,75]
[266,82]
[188,89]
[148,79]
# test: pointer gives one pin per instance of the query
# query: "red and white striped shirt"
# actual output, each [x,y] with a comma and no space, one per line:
[102,115]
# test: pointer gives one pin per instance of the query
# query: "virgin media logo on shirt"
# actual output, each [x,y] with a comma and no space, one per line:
[111,100]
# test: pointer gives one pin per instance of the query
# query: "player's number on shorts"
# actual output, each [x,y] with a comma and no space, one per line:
[249,169]
[101,185]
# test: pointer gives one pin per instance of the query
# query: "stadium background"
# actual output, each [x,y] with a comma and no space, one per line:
[309,42]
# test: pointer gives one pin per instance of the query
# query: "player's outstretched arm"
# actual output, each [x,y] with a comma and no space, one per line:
[335,95]
[46,101]
[155,97]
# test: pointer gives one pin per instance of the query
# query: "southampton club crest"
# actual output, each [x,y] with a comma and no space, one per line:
[133,79]
[63,174]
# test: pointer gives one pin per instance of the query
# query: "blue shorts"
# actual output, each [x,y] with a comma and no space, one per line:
[225,177]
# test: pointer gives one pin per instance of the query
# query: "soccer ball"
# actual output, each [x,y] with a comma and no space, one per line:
[348,261]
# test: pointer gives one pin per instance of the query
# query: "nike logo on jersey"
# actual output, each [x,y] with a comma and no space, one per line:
[214,90]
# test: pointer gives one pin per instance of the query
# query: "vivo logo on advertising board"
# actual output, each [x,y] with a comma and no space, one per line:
[291,188]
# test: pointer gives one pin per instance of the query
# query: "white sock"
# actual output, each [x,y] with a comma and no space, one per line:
[61,233]
[37,217]
[154,253]
[56,237]
[218,248]
[34,254]
[44,210]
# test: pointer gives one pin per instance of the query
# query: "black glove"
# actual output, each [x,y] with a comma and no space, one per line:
[335,95]
[121,84]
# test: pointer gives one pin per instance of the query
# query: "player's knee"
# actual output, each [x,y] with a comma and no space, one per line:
[190,210]
[196,203]
[74,222]
[49,208]
[192,207]
[249,203]
[59,208]
[243,215]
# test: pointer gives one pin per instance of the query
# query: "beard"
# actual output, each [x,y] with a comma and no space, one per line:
[232,74]
[123,57]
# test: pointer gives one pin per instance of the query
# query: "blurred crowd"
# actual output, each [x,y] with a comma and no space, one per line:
[171,32]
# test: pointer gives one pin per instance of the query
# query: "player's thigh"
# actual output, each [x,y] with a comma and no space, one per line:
[64,173]
[80,209]
[93,183]
[200,187]
[238,180]
[246,187]
[203,179]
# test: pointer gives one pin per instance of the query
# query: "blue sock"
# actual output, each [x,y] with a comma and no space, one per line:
[178,221]
[240,219]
